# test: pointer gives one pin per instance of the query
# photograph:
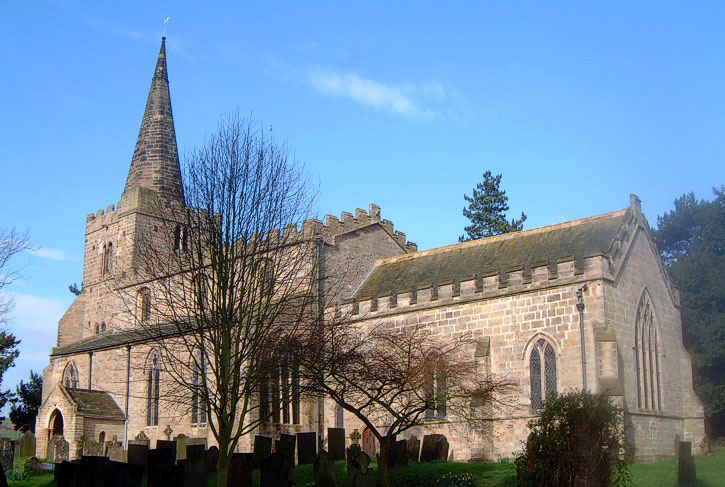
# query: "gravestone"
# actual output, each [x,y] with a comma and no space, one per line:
[161,444]
[161,468]
[212,457]
[686,464]
[137,454]
[262,449]
[65,474]
[33,465]
[141,439]
[361,475]
[124,475]
[398,454]
[57,449]
[3,478]
[181,442]
[90,447]
[352,452]
[7,453]
[413,449]
[306,448]
[241,467]
[324,469]
[286,446]
[274,471]
[435,447]
[196,463]
[336,443]
[116,452]
[95,471]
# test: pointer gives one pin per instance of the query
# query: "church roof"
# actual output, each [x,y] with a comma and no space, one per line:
[155,162]
[574,240]
[98,404]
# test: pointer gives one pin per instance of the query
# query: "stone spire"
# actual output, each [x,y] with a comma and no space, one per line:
[155,162]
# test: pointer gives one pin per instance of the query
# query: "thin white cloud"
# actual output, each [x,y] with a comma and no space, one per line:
[36,314]
[51,254]
[407,100]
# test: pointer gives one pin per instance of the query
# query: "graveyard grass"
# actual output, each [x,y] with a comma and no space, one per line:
[710,473]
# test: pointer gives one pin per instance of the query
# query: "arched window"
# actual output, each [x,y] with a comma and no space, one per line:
[143,305]
[98,328]
[153,388]
[542,372]
[107,264]
[647,356]
[198,405]
[102,437]
[181,238]
[436,392]
[70,376]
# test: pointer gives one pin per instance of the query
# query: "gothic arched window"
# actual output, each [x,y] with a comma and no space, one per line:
[70,376]
[153,388]
[647,356]
[143,304]
[107,264]
[198,405]
[542,373]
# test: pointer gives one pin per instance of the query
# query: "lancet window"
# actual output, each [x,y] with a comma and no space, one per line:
[542,373]
[153,388]
[70,376]
[647,353]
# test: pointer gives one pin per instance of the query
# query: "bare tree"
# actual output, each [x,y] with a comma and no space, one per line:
[12,242]
[226,281]
[394,379]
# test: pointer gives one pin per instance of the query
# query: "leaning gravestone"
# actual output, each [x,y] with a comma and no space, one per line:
[196,463]
[324,469]
[262,449]
[435,447]
[241,467]
[686,464]
[212,457]
[413,448]
[306,448]
[116,452]
[274,472]
[90,447]
[336,443]
[7,453]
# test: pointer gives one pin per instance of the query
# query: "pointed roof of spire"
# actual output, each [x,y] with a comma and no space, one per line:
[155,162]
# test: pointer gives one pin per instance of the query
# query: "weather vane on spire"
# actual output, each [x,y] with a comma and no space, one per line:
[166,20]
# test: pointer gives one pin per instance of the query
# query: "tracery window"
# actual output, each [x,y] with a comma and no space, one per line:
[107,262]
[542,373]
[153,388]
[647,356]
[198,405]
[143,304]
[70,376]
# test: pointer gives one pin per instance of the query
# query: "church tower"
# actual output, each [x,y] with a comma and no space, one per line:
[112,235]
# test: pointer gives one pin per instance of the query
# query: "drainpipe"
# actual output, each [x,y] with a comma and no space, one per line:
[90,369]
[128,383]
[580,307]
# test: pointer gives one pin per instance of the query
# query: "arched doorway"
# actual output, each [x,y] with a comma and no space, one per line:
[55,424]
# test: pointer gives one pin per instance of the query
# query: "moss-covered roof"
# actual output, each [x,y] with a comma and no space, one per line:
[573,240]
[95,403]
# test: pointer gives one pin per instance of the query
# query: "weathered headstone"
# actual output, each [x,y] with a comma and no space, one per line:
[212,457]
[33,465]
[262,449]
[161,467]
[161,444]
[435,447]
[181,442]
[351,453]
[413,449]
[361,476]
[336,443]
[306,448]
[141,438]
[90,447]
[324,469]
[286,446]
[274,471]
[355,437]
[137,454]
[7,453]
[115,452]
[196,464]
[241,468]
[686,465]
[398,456]
[58,449]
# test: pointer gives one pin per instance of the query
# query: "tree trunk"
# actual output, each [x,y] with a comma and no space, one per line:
[222,466]
[383,461]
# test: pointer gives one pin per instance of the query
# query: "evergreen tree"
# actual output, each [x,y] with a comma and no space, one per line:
[8,353]
[26,403]
[691,239]
[486,210]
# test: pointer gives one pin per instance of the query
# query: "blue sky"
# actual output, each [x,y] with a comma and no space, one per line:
[404,104]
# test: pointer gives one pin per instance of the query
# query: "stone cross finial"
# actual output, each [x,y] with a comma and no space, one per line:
[168,431]
[355,437]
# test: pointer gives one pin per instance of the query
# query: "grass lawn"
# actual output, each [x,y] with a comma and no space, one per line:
[710,473]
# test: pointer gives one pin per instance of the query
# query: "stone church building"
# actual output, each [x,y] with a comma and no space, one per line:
[585,303]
